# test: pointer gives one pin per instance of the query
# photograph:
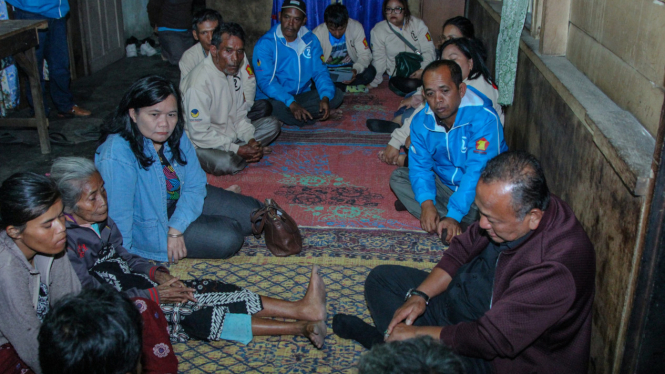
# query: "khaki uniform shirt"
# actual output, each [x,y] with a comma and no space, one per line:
[386,45]
[215,114]
[194,55]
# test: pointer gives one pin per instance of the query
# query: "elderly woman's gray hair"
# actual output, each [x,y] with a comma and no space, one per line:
[70,174]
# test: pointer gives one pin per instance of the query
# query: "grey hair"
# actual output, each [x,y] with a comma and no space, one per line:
[70,173]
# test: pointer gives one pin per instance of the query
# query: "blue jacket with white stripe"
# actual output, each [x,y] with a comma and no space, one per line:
[283,72]
[47,8]
[456,156]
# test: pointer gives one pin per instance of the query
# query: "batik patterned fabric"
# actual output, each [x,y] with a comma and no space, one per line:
[42,301]
[204,320]
[172,183]
[513,14]
[112,269]
[9,91]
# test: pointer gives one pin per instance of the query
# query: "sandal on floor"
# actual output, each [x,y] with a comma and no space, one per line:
[381,126]
[88,135]
[59,139]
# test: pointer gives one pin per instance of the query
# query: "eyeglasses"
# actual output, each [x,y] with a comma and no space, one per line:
[394,10]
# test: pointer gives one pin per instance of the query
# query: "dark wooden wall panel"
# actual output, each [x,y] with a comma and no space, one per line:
[541,122]
[103,29]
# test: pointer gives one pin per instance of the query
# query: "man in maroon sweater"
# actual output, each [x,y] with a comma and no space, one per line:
[513,294]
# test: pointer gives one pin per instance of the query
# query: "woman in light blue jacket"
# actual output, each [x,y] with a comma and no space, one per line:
[157,191]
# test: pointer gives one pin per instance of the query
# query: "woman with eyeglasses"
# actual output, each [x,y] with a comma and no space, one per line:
[386,44]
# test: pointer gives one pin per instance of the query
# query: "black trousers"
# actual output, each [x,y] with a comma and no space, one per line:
[385,288]
[310,101]
[220,230]
[364,78]
[402,86]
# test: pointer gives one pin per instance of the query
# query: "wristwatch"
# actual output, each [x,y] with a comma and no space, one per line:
[413,291]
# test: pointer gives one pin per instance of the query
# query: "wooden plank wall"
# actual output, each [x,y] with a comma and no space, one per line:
[620,46]
[541,122]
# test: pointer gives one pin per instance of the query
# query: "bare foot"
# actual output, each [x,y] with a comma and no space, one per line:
[381,156]
[235,188]
[336,114]
[316,333]
[314,303]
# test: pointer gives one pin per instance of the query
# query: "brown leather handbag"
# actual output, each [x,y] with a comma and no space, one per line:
[282,234]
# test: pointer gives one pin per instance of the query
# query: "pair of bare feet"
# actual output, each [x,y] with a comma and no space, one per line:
[313,309]
[399,160]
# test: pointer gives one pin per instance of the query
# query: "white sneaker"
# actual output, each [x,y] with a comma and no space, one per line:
[147,50]
[131,50]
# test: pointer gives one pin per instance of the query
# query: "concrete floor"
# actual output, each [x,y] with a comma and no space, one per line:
[100,93]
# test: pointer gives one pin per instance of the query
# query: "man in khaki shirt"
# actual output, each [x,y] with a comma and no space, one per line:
[203,24]
[217,124]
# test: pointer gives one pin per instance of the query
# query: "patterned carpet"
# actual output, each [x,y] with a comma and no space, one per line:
[328,178]
[346,256]
[328,175]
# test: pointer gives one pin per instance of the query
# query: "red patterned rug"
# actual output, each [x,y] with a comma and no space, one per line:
[328,175]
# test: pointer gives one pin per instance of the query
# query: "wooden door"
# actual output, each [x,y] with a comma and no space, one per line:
[102,32]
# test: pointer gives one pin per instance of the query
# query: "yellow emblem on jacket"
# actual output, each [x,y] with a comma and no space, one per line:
[195,113]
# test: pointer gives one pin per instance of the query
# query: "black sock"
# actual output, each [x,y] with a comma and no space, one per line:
[352,327]
[382,126]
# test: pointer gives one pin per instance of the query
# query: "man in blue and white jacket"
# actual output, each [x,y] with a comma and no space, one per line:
[52,47]
[286,60]
[452,139]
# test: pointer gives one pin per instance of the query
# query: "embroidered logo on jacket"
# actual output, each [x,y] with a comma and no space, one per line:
[414,36]
[307,53]
[429,38]
[249,70]
[481,145]
[365,43]
[258,62]
[236,83]
[194,113]
[81,250]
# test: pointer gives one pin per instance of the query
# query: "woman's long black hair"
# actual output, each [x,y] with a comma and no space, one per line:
[475,50]
[25,196]
[145,92]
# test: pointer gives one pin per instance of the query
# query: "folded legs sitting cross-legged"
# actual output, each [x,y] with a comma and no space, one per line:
[452,138]
[158,195]
[216,114]
[290,72]
[512,294]
[214,310]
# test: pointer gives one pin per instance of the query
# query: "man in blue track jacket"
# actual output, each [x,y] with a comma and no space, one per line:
[286,60]
[452,139]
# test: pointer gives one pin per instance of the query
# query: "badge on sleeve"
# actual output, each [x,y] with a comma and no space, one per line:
[429,38]
[249,70]
[481,145]
[365,43]
[322,60]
